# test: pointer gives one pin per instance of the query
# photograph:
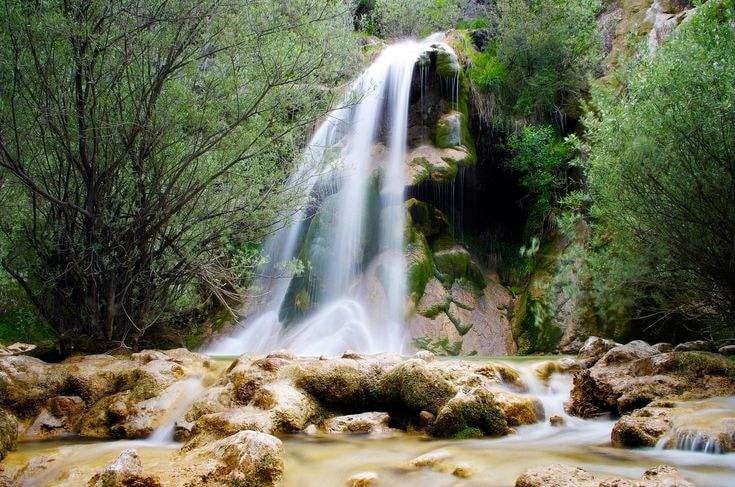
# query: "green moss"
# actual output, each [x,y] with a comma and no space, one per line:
[449,131]
[477,410]
[704,363]
[414,387]
[438,346]
[447,64]
[455,263]
[468,433]
[420,266]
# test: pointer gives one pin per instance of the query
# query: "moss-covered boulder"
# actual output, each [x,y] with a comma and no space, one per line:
[414,386]
[339,384]
[467,410]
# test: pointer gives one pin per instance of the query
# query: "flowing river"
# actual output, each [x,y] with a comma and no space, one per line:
[323,460]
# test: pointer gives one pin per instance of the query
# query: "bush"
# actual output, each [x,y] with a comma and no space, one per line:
[662,173]
[545,51]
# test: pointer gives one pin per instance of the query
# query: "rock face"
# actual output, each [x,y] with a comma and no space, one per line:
[629,377]
[97,396]
[568,476]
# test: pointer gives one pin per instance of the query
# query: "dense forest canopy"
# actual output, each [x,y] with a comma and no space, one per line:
[145,145]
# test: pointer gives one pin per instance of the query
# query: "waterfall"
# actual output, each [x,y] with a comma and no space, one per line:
[353,287]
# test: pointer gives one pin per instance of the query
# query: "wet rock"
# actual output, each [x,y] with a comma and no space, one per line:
[727,350]
[125,471]
[311,430]
[545,370]
[568,476]
[430,459]
[247,458]
[415,387]
[34,469]
[363,479]
[642,428]
[61,416]
[595,347]
[629,377]
[694,346]
[364,423]
[338,383]
[463,471]
[425,355]
[664,347]
[622,354]
[183,431]
[8,432]
[556,476]
[473,410]
[518,409]
[426,419]
[557,421]
[283,354]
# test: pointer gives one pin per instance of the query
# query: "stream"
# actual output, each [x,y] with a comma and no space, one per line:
[323,460]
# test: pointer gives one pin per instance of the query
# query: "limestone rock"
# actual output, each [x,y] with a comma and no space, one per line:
[474,410]
[16,349]
[727,350]
[595,347]
[8,432]
[642,428]
[559,475]
[463,471]
[247,459]
[126,470]
[363,479]
[363,423]
[695,346]
[430,459]
[61,416]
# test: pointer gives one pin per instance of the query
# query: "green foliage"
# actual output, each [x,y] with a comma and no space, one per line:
[474,23]
[487,72]
[145,145]
[661,174]
[544,51]
[399,18]
[541,157]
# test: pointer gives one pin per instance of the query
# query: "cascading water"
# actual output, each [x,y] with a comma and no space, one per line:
[352,292]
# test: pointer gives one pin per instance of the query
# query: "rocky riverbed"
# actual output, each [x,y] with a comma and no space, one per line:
[634,414]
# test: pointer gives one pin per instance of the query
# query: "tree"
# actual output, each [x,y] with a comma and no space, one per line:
[538,65]
[144,143]
[662,175]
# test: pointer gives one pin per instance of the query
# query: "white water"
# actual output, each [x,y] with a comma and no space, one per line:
[361,305]
[183,394]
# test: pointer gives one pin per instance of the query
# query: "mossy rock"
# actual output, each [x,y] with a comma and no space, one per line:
[476,409]
[700,364]
[343,386]
[8,432]
[469,434]
[455,263]
[413,386]
[447,63]
[420,266]
[449,130]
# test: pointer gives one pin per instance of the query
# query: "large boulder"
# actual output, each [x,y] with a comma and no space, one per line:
[245,459]
[642,428]
[60,417]
[470,412]
[628,377]
[414,386]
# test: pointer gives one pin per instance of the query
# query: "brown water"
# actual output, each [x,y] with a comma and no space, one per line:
[329,461]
